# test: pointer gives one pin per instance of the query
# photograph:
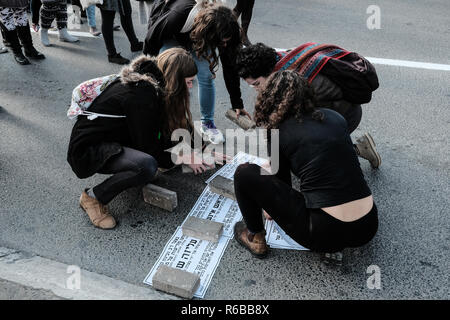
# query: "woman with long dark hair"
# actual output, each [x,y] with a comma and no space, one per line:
[209,31]
[155,102]
[334,208]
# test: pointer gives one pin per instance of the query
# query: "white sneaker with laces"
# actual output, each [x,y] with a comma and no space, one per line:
[209,130]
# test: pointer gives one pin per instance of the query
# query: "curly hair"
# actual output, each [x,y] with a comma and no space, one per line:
[285,94]
[256,60]
[213,24]
[176,65]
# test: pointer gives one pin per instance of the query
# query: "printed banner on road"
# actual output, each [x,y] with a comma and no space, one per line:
[192,255]
[278,239]
[215,207]
[228,169]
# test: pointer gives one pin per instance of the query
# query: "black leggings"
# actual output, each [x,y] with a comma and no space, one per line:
[131,168]
[35,8]
[108,33]
[312,228]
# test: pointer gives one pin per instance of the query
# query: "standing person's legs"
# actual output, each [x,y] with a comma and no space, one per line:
[245,20]
[35,8]
[206,89]
[207,100]
[9,19]
[107,30]
[24,34]
[61,21]
[90,13]
[47,13]
[127,24]
[108,37]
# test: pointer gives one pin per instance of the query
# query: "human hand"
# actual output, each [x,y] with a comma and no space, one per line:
[243,112]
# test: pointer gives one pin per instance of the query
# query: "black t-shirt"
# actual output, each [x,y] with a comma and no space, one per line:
[321,155]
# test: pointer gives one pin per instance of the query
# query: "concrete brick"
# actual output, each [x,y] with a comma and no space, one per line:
[176,281]
[243,121]
[160,197]
[223,186]
[202,229]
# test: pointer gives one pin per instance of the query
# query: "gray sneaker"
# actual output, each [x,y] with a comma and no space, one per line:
[212,134]
[365,148]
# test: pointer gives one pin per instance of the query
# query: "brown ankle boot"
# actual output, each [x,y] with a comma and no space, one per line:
[255,243]
[97,212]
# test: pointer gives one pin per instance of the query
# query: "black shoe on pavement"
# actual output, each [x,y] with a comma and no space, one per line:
[117,58]
[32,53]
[20,58]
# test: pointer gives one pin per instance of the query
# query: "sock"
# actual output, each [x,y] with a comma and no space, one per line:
[91,193]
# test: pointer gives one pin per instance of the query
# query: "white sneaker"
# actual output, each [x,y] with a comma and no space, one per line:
[209,130]
[65,36]
[44,37]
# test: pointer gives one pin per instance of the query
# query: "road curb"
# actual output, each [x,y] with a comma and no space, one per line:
[68,282]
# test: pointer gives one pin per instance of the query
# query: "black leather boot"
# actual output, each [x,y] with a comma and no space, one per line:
[13,39]
[27,43]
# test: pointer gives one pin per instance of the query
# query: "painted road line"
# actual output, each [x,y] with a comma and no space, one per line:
[67,281]
[410,64]
[404,63]
[73,33]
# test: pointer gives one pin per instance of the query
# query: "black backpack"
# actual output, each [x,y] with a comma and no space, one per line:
[355,75]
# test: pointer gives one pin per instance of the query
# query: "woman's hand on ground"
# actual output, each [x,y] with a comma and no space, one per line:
[196,163]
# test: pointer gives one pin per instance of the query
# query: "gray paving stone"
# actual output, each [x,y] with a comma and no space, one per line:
[223,186]
[176,281]
[203,229]
[160,197]
[243,121]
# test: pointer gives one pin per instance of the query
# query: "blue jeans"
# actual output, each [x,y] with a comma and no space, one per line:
[206,84]
[90,13]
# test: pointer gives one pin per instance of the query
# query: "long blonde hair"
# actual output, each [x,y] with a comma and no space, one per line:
[177,64]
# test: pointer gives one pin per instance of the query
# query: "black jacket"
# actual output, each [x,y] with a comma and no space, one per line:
[166,21]
[135,96]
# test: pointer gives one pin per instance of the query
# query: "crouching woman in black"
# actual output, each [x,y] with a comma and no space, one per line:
[131,148]
[334,208]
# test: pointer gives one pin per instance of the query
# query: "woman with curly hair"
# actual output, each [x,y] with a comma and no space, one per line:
[131,148]
[202,28]
[334,208]
[258,61]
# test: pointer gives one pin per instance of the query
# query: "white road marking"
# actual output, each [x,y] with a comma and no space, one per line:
[404,63]
[74,33]
[410,64]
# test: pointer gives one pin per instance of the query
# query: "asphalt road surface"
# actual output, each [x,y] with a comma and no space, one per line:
[408,117]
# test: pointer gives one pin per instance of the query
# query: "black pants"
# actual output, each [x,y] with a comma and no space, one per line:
[312,228]
[131,168]
[54,10]
[35,8]
[246,8]
[107,29]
